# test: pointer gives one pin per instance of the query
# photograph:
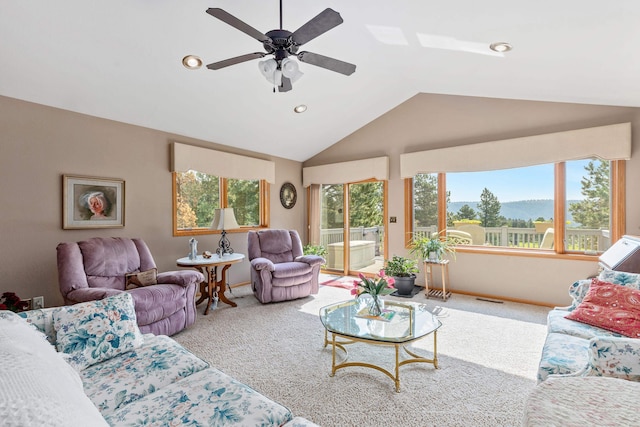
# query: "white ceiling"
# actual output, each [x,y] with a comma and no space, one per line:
[121,60]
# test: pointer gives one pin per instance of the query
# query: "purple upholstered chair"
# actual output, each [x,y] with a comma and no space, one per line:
[96,268]
[279,270]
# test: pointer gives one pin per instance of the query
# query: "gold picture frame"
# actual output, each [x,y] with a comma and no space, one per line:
[92,202]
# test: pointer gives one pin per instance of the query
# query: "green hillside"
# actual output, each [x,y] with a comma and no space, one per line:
[522,209]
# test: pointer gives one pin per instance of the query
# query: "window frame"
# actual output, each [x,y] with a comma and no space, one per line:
[264,206]
[617,215]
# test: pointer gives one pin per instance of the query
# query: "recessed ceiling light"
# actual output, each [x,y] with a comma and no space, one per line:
[300,108]
[192,62]
[500,47]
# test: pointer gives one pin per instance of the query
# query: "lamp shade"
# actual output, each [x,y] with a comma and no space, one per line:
[290,70]
[224,219]
[273,70]
[267,68]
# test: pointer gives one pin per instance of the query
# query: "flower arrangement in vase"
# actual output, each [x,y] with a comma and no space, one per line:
[12,302]
[376,287]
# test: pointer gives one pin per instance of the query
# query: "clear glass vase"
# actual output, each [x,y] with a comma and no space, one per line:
[375,305]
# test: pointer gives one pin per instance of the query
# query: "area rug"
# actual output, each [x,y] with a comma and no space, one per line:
[344,282]
[487,354]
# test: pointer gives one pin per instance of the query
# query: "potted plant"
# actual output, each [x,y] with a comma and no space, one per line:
[315,250]
[403,270]
[433,248]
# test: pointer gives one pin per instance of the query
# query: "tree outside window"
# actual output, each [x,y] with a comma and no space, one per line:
[197,196]
[503,206]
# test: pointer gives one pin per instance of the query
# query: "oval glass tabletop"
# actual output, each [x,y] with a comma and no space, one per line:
[404,321]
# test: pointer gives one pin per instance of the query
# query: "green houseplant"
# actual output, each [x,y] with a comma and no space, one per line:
[315,250]
[433,248]
[403,270]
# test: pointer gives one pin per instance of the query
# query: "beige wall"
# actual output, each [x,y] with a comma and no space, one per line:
[39,144]
[429,121]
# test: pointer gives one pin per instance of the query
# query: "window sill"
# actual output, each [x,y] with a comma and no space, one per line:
[533,253]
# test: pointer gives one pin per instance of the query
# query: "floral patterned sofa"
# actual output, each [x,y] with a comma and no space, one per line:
[590,375]
[88,364]
[575,348]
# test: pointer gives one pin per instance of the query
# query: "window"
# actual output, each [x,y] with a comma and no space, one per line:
[588,216]
[524,208]
[196,195]
[425,204]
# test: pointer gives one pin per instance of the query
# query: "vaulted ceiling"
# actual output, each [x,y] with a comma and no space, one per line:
[121,60]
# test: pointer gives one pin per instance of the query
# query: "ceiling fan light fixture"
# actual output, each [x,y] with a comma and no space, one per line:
[282,43]
[268,68]
[500,47]
[192,62]
[277,77]
[291,70]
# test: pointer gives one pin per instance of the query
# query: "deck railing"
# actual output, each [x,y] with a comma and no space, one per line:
[578,239]
[336,235]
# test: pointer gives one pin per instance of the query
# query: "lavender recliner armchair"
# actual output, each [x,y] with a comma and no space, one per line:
[95,269]
[279,270]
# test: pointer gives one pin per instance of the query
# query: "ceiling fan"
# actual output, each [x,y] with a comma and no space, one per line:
[281,70]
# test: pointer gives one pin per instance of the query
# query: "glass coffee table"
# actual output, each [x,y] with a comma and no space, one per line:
[348,323]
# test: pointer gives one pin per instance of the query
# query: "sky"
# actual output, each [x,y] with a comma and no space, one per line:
[511,185]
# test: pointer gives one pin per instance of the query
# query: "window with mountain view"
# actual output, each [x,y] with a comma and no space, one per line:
[514,208]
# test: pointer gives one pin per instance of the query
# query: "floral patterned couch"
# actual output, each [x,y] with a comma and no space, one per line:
[574,348]
[88,364]
[589,376]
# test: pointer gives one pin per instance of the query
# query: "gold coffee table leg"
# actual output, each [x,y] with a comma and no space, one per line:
[333,355]
[397,378]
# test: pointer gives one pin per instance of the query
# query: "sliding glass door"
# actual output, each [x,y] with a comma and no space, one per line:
[353,213]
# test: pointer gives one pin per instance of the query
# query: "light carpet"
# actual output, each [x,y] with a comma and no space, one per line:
[488,355]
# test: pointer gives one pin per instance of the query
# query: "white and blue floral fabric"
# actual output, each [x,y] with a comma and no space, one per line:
[149,380]
[577,349]
[206,398]
[614,357]
[132,375]
[95,331]
[42,319]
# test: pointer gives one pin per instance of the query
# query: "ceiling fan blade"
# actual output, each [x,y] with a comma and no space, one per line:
[325,62]
[286,85]
[236,60]
[238,24]
[323,22]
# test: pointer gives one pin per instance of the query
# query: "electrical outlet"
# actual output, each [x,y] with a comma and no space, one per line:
[37,302]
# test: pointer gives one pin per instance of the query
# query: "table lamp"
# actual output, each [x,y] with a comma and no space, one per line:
[224,219]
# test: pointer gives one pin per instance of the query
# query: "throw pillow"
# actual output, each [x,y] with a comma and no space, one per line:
[623,278]
[612,307]
[142,278]
[91,332]
[578,290]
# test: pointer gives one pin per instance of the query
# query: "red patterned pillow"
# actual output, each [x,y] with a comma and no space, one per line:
[612,307]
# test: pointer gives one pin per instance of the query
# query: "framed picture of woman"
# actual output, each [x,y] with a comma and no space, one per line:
[89,202]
